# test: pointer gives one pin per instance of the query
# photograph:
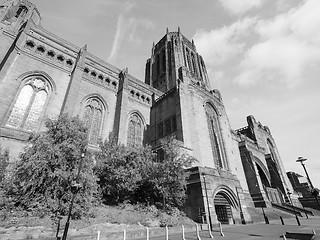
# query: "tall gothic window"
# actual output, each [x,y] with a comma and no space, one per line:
[135,131]
[92,117]
[29,105]
[189,60]
[163,61]
[215,138]
[271,149]
[158,64]
[193,59]
[22,10]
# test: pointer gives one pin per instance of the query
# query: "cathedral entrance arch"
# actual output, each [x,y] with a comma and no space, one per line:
[222,208]
[224,201]
[263,172]
[265,180]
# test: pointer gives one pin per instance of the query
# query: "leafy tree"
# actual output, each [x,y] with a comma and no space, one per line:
[167,179]
[4,178]
[120,170]
[46,173]
[133,174]
[4,162]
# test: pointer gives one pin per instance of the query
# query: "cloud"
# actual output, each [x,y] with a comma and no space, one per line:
[289,46]
[278,59]
[218,46]
[238,7]
[126,29]
[280,49]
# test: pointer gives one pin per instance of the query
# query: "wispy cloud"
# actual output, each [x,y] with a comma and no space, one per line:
[126,29]
[238,7]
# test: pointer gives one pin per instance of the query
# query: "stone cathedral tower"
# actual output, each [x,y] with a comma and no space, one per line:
[196,115]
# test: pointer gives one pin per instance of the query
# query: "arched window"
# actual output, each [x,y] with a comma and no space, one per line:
[29,105]
[189,60]
[135,131]
[158,65]
[271,149]
[163,61]
[215,137]
[15,12]
[193,59]
[22,10]
[92,117]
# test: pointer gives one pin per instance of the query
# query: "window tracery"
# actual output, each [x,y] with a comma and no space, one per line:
[29,105]
[135,131]
[92,117]
[214,134]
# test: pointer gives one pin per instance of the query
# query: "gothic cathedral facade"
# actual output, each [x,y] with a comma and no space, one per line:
[42,75]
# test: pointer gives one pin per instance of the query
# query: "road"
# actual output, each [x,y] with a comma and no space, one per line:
[274,230]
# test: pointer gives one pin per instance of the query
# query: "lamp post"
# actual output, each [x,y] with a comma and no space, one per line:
[74,189]
[295,213]
[314,192]
[205,188]
[243,221]
[266,219]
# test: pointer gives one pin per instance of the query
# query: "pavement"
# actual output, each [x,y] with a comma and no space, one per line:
[274,230]
[259,231]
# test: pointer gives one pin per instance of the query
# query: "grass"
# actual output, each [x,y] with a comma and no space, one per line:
[126,214]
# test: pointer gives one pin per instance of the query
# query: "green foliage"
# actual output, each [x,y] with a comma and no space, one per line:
[133,174]
[167,180]
[48,168]
[120,169]
[4,162]
[4,177]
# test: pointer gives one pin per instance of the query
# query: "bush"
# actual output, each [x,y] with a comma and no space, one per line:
[167,220]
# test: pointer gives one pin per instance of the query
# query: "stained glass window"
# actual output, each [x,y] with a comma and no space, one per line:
[214,135]
[29,105]
[19,109]
[35,111]
[135,131]
[92,117]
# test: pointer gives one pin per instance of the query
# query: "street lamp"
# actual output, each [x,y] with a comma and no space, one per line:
[266,219]
[205,188]
[243,221]
[295,213]
[313,191]
[74,189]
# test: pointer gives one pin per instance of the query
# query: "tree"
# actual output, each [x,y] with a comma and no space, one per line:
[134,174]
[164,181]
[4,162]
[172,182]
[48,168]
[120,170]
[4,177]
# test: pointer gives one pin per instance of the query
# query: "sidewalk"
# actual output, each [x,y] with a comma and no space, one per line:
[274,230]
[259,231]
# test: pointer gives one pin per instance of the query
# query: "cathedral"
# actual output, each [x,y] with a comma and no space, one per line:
[42,75]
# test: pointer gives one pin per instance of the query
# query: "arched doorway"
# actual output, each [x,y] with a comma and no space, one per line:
[264,178]
[222,207]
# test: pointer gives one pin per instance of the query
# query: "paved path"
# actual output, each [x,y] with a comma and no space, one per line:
[262,231]
[258,231]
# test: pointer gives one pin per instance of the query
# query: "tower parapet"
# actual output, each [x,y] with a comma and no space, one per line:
[171,53]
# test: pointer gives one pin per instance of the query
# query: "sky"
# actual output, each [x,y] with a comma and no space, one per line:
[263,55]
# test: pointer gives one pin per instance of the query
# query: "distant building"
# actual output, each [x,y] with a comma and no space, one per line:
[299,184]
[42,75]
